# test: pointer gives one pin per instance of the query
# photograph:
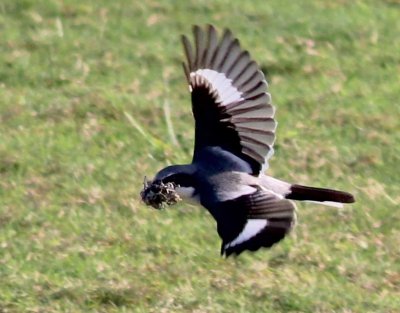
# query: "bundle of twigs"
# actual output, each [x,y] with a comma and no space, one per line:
[158,195]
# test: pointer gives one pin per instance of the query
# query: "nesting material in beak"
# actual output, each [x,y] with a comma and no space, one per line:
[158,194]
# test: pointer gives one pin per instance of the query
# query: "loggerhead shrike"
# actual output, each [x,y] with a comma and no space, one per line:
[234,137]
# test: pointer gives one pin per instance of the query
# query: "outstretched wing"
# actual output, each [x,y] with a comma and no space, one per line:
[252,221]
[230,103]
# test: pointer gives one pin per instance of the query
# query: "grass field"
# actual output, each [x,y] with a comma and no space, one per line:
[84,88]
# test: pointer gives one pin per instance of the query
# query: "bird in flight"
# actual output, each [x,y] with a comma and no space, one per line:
[234,138]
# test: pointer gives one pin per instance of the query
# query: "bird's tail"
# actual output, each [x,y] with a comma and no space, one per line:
[320,195]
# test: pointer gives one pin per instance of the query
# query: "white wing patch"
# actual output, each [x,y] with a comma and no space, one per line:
[227,93]
[252,228]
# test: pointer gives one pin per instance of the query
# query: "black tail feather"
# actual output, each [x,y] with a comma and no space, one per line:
[303,193]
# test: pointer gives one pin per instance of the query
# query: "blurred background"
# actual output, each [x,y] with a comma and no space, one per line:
[93,98]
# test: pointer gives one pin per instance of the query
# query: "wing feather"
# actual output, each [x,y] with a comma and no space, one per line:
[212,46]
[252,221]
[240,65]
[230,102]
[201,45]
[223,50]
[188,52]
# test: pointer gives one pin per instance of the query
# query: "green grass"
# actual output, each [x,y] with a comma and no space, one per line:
[83,85]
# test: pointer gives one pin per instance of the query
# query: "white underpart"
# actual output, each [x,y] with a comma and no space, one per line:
[328,203]
[227,93]
[188,194]
[252,228]
[185,192]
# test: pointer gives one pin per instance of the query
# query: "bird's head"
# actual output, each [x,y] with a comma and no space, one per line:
[168,186]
